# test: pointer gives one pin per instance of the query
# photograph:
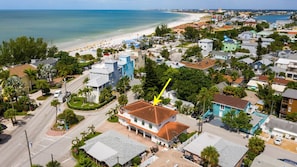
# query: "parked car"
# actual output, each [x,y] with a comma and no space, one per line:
[208,118]
[57,93]
[278,141]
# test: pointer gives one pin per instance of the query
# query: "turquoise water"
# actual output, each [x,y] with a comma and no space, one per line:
[273,18]
[58,26]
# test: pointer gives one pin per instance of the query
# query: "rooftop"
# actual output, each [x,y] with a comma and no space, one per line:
[19,70]
[230,101]
[148,112]
[290,93]
[202,65]
[225,148]
[112,147]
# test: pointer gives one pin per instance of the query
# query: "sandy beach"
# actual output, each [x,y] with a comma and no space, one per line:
[91,46]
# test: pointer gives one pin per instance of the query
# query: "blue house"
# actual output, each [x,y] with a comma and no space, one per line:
[109,73]
[223,104]
[127,66]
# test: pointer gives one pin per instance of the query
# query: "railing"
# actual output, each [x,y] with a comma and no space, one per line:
[182,145]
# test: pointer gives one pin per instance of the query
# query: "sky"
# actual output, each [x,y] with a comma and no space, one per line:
[148,4]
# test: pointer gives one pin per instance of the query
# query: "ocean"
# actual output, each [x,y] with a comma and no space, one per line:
[59,26]
[273,18]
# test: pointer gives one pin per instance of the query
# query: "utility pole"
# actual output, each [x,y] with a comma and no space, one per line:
[28,146]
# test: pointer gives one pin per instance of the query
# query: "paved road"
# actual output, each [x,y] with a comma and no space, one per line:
[14,153]
[270,150]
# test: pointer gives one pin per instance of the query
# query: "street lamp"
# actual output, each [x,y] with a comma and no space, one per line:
[28,146]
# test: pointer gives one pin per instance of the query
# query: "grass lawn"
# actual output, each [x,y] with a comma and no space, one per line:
[113,119]
[78,103]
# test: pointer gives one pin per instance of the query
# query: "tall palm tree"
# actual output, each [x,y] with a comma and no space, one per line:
[210,156]
[205,96]
[9,93]
[4,75]
[42,84]
[54,163]
[55,103]
[32,75]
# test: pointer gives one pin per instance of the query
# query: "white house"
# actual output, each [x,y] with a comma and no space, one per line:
[206,45]
[279,127]
[112,148]
[154,122]
[231,154]
[103,75]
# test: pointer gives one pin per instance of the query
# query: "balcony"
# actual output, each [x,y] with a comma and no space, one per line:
[283,110]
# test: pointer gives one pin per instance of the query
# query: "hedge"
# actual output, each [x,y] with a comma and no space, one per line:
[90,107]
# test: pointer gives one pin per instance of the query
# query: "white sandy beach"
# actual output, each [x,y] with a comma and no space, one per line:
[88,47]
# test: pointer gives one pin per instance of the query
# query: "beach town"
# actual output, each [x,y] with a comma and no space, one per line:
[205,90]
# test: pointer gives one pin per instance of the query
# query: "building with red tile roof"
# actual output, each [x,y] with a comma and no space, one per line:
[155,122]
[18,70]
[279,81]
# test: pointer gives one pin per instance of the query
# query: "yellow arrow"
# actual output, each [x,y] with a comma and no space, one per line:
[157,99]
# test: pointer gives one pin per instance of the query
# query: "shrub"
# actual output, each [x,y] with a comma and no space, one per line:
[182,137]
[136,160]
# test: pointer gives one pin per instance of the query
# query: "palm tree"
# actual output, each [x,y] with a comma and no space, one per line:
[9,93]
[91,129]
[206,95]
[86,80]
[9,114]
[43,85]
[210,156]
[31,75]
[54,163]
[55,103]
[4,75]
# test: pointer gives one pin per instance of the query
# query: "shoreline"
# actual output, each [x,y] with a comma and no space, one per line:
[113,39]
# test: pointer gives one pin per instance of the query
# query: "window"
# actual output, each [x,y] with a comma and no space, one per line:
[135,119]
[289,109]
[290,101]
[142,122]
[222,107]
[150,126]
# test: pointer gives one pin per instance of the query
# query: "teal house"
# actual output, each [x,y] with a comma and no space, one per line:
[230,45]
[127,66]
[223,104]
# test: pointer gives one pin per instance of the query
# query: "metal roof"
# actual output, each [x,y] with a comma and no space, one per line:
[112,147]
[225,148]
[290,93]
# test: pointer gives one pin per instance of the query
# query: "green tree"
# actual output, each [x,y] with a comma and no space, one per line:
[123,100]
[162,30]
[205,97]
[191,34]
[165,53]
[55,104]
[51,51]
[105,94]
[85,161]
[54,163]
[137,90]
[210,156]
[67,65]
[193,51]
[123,84]
[292,117]
[4,75]
[31,75]
[43,85]
[22,50]
[178,104]
[292,85]
[255,147]
[151,80]
[10,114]
[69,116]
[237,121]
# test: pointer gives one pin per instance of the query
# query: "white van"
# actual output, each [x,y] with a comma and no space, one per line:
[57,93]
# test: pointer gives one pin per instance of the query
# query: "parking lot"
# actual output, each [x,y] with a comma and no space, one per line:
[286,144]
